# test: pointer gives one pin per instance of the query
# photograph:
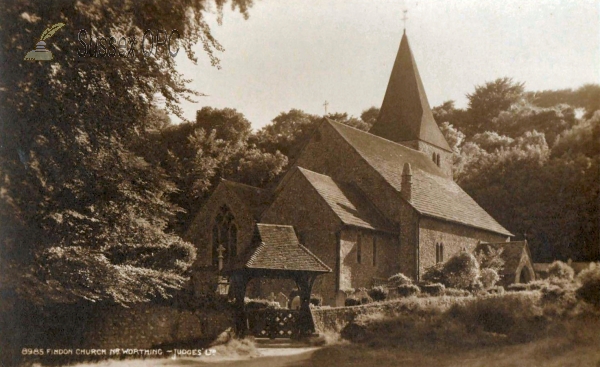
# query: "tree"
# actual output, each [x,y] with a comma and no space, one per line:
[288,133]
[370,115]
[489,100]
[82,214]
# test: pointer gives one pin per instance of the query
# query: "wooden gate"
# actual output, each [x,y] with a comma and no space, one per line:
[274,323]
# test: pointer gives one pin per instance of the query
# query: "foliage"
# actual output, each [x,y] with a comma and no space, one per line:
[370,115]
[461,271]
[453,292]
[489,277]
[489,100]
[407,290]
[434,274]
[351,301]
[365,299]
[198,155]
[399,279]
[589,290]
[533,164]
[490,258]
[560,270]
[435,289]
[378,293]
[83,215]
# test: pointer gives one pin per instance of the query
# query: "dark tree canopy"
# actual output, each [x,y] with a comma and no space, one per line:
[82,214]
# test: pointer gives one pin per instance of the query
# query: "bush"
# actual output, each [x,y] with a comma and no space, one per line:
[316,300]
[351,301]
[365,299]
[489,277]
[461,271]
[589,291]
[408,290]
[436,289]
[399,279]
[496,290]
[516,315]
[560,270]
[518,287]
[379,293]
[434,274]
[453,292]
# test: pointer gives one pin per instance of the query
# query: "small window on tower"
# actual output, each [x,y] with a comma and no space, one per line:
[433,157]
[437,160]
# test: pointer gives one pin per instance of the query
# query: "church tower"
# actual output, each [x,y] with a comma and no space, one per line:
[405,116]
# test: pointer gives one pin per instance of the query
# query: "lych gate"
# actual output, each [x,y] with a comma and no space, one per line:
[275,253]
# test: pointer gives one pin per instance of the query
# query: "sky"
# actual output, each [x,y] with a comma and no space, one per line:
[301,53]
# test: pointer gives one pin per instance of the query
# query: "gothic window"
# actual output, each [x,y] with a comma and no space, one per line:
[359,248]
[437,160]
[433,157]
[374,251]
[224,233]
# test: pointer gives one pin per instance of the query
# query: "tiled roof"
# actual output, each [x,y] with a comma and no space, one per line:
[257,200]
[405,113]
[347,201]
[433,194]
[276,247]
[511,254]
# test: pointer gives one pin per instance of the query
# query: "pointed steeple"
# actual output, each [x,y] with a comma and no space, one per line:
[405,114]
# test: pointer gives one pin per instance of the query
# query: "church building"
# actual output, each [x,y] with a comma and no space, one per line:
[365,205]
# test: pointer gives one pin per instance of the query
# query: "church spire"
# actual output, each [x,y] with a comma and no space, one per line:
[405,114]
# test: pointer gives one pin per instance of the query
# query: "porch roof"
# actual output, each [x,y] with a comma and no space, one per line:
[276,248]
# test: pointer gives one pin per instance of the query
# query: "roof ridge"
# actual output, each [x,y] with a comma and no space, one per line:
[379,137]
[226,181]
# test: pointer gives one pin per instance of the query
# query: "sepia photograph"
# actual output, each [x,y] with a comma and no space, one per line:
[295,183]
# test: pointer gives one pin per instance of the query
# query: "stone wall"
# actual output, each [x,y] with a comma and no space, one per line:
[328,153]
[455,237]
[200,230]
[147,326]
[142,326]
[356,275]
[298,204]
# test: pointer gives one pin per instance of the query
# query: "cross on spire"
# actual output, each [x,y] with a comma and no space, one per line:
[326,104]
[404,18]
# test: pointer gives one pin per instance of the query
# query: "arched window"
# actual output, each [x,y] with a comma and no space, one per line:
[437,159]
[433,157]
[224,233]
